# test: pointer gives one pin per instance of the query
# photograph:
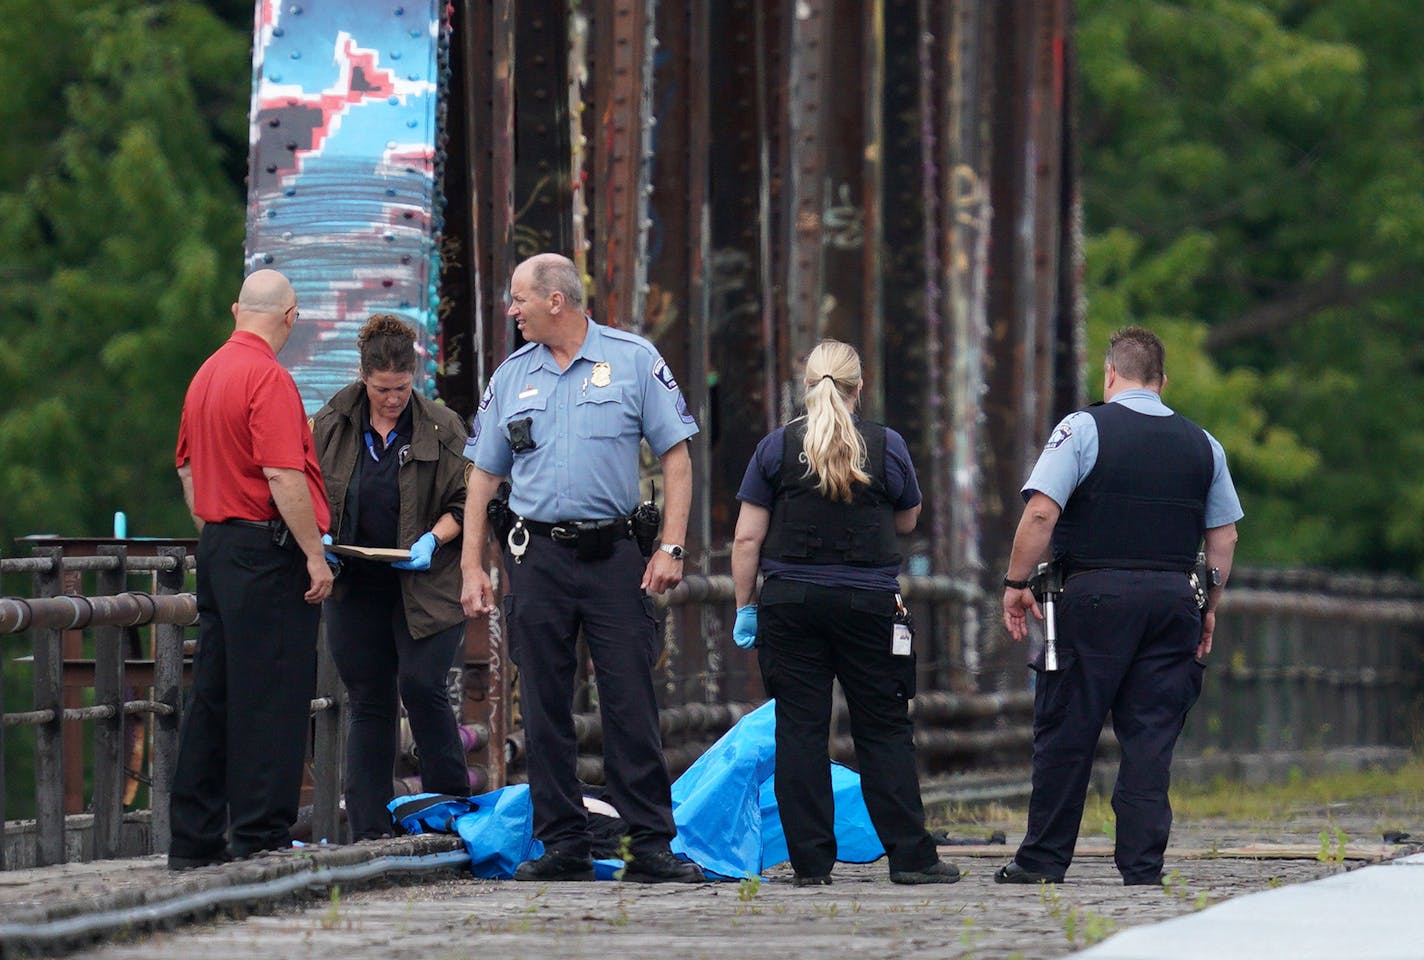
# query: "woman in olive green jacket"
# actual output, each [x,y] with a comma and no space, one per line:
[395,477]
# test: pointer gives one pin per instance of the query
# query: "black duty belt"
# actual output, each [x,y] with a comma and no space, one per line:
[571,532]
[276,529]
[268,525]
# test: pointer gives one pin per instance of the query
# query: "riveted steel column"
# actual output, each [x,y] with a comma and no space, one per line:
[623,45]
[906,220]
[675,314]
[872,320]
[741,376]
[542,177]
[839,116]
[1070,309]
[965,219]
[466,291]
[1048,32]
[809,35]
[502,336]
[1011,401]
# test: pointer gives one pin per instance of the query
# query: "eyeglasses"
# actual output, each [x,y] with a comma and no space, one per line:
[296,314]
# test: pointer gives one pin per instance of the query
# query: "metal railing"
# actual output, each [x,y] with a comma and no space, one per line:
[1303,661]
[56,616]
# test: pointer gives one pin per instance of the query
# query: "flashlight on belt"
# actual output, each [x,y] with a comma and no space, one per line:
[1047,586]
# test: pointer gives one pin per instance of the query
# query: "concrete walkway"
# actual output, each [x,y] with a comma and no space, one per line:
[1375,912]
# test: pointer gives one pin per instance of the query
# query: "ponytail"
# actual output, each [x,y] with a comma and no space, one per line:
[835,450]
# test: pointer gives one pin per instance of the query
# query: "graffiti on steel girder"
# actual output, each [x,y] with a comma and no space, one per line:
[343,193]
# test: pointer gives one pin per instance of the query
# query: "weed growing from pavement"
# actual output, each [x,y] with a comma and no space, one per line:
[1077,922]
[332,915]
[968,936]
[747,890]
[1332,846]
[625,853]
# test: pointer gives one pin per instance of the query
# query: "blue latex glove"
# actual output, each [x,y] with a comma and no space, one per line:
[744,632]
[331,558]
[420,553]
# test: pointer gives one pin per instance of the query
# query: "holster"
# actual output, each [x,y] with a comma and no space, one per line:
[1048,578]
[499,516]
[645,522]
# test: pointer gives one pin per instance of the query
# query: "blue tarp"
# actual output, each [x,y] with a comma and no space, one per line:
[724,807]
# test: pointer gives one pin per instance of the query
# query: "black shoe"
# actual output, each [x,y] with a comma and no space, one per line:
[820,880]
[1154,880]
[1011,872]
[937,872]
[555,866]
[661,867]
[193,863]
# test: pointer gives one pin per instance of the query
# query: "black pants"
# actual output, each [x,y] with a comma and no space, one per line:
[383,666]
[808,635]
[553,594]
[244,732]
[1126,645]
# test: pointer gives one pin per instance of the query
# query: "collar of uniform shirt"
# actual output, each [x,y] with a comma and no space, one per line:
[589,350]
[1143,401]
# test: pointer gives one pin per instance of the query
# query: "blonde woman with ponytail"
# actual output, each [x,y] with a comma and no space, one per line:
[821,504]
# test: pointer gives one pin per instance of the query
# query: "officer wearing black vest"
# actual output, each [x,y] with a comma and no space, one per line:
[1127,492]
[822,501]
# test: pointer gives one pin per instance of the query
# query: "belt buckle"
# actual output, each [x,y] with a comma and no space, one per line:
[562,534]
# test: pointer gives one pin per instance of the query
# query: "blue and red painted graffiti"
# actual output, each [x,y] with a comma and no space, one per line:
[343,194]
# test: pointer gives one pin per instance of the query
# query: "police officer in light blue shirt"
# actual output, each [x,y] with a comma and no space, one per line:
[563,419]
[1125,494]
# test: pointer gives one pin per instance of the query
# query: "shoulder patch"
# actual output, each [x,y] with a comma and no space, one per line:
[683,413]
[488,395]
[663,374]
[1060,435]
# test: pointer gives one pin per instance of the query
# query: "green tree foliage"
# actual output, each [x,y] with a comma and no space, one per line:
[121,202]
[120,245]
[1254,186]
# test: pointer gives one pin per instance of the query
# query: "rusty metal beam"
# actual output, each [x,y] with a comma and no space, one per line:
[1070,319]
[810,37]
[872,318]
[542,174]
[675,316]
[502,337]
[623,43]
[902,227]
[965,219]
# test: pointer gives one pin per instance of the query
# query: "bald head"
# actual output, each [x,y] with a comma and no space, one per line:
[553,273]
[266,306]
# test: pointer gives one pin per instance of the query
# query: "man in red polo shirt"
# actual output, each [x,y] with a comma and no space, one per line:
[251,480]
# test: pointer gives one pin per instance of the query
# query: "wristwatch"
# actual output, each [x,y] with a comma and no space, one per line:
[1016,584]
[673,550]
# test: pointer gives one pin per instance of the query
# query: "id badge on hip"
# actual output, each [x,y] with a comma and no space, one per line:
[902,631]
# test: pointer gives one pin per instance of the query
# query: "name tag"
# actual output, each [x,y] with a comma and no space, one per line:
[531,392]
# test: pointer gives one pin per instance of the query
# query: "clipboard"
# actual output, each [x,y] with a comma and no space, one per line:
[381,554]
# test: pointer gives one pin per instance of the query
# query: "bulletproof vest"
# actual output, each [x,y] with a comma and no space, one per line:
[1143,505]
[806,527]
